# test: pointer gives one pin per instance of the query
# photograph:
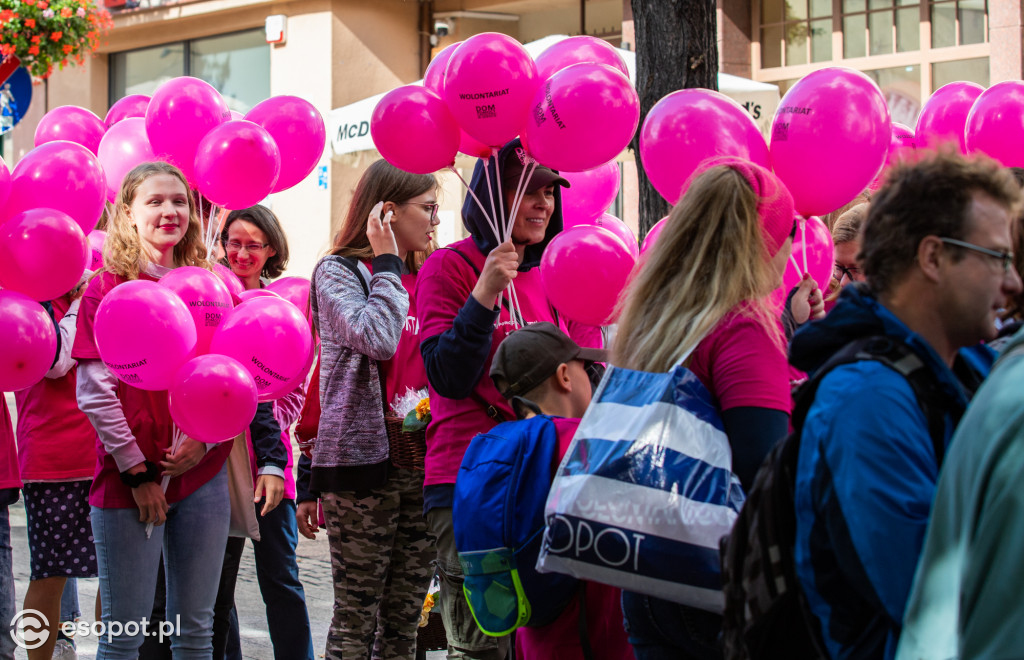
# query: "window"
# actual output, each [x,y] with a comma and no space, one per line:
[237,65]
[975,70]
[880,27]
[901,87]
[959,22]
[799,29]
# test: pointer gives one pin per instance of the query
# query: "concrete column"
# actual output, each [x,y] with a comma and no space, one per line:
[1006,32]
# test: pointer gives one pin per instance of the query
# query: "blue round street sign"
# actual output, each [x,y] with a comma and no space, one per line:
[15,96]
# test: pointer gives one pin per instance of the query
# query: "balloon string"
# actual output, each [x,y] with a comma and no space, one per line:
[520,194]
[495,224]
[796,266]
[803,238]
[179,437]
[514,297]
[479,204]
[501,196]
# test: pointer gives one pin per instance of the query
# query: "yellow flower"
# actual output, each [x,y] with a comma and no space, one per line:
[422,408]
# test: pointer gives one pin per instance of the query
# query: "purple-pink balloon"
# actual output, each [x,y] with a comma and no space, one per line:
[60,175]
[582,117]
[29,340]
[433,77]
[583,271]
[212,398]
[271,337]
[944,116]
[230,280]
[830,136]
[122,149]
[133,105]
[237,165]
[414,131]
[71,123]
[577,50]
[95,239]
[206,297]
[621,230]
[300,134]
[652,235]
[180,114]
[689,126]
[902,147]
[144,334]
[590,193]
[489,86]
[995,126]
[43,254]
[293,289]
[249,294]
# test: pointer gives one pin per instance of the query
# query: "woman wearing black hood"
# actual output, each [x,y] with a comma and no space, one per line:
[461,326]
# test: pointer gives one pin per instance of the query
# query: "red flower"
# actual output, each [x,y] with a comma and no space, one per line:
[34,50]
[30,3]
[6,49]
[66,12]
[43,4]
[30,22]
[6,15]
[68,48]
[36,39]
[56,36]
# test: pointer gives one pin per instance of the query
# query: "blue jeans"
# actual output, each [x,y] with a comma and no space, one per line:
[192,541]
[7,603]
[662,630]
[69,610]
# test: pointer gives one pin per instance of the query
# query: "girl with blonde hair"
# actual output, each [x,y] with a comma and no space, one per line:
[153,230]
[701,299]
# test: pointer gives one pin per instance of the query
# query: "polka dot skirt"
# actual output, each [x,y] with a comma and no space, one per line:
[60,540]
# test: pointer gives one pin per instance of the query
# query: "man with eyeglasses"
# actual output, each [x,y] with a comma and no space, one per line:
[936,256]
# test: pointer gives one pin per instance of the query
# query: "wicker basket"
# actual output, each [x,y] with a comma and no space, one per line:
[431,637]
[407,449]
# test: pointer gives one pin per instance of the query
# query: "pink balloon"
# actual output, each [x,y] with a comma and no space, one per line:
[583,271]
[271,337]
[229,279]
[71,123]
[414,111]
[249,294]
[689,126]
[207,298]
[590,193]
[122,149]
[29,340]
[144,334]
[576,50]
[995,126]
[944,115]
[471,146]
[237,165]
[5,186]
[813,253]
[489,85]
[293,289]
[43,254]
[133,105]
[652,235]
[433,77]
[60,175]
[180,114]
[95,240]
[236,115]
[583,116]
[830,136]
[300,134]
[212,398]
[621,230]
[902,147]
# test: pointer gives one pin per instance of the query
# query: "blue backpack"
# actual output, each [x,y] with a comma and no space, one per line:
[498,520]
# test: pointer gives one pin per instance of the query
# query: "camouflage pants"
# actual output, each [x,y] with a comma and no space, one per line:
[380,559]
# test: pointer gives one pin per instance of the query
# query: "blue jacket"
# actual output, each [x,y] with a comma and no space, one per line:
[866,475]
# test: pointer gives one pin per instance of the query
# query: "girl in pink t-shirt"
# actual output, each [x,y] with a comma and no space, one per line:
[701,297]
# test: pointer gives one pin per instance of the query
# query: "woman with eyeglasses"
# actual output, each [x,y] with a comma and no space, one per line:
[361,296]
[846,238]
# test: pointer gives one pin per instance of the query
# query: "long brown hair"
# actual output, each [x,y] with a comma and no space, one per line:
[710,258]
[382,182]
[122,251]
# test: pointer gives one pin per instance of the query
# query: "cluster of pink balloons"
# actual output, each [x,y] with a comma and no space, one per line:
[233,161]
[217,359]
[574,106]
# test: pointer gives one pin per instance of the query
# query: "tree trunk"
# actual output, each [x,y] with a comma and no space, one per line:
[676,48]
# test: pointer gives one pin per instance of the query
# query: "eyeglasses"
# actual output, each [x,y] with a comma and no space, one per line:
[430,206]
[251,248]
[1005,257]
[840,271]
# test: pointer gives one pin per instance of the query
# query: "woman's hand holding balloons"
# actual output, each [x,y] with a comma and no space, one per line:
[379,233]
[500,269]
[184,459]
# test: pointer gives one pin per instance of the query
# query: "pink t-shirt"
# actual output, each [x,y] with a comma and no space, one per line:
[147,415]
[444,285]
[405,370]
[9,477]
[743,366]
[56,441]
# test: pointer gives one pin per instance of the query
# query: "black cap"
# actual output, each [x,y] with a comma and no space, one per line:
[541,177]
[531,355]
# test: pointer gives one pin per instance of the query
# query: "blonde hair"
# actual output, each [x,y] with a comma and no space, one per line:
[710,258]
[845,230]
[122,251]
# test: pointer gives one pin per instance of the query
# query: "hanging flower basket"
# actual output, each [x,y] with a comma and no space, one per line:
[45,34]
